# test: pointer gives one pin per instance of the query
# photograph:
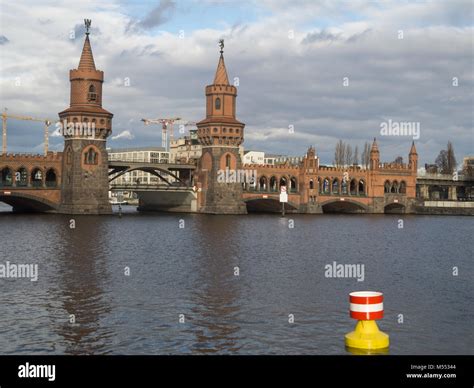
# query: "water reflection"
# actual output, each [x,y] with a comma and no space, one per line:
[81,260]
[217,298]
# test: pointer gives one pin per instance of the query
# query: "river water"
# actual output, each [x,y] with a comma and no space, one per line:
[84,302]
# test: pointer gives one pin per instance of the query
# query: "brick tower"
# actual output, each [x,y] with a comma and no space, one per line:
[86,126]
[220,134]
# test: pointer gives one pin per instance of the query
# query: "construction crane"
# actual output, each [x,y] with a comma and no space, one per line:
[6,116]
[166,125]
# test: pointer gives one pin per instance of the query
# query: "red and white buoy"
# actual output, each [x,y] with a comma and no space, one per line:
[366,307]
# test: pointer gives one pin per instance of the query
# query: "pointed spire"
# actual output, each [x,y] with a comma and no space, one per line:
[375,147]
[87,59]
[413,148]
[221,72]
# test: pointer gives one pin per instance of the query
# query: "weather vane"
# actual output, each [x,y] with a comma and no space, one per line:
[221,45]
[87,22]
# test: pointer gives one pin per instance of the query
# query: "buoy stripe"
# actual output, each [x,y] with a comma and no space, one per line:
[366,299]
[361,316]
[366,308]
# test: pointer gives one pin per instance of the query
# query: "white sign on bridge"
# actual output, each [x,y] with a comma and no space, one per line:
[283,197]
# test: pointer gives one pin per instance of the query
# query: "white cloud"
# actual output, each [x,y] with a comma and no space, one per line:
[123,135]
[282,81]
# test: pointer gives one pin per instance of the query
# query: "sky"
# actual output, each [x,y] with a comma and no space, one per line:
[309,72]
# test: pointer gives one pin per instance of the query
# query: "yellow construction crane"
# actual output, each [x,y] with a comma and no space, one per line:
[6,116]
[165,123]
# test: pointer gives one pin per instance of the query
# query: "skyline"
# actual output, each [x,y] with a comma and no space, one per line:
[299,81]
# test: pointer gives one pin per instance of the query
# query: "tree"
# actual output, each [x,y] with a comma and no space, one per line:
[442,162]
[356,156]
[451,159]
[446,160]
[339,153]
[365,159]
[348,155]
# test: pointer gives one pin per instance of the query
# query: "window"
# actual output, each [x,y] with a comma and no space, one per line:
[92,95]
[90,156]
[227,161]
[218,103]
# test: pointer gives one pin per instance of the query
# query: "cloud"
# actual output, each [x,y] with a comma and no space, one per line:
[123,135]
[282,81]
[3,39]
[321,36]
[156,17]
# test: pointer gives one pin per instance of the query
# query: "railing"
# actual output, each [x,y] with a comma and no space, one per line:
[135,187]
[438,176]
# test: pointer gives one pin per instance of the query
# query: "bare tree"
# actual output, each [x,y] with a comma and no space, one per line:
[451,159]
[339,153]
[365,160]
[398,160]
[348,155]
[442,162]
[355,160]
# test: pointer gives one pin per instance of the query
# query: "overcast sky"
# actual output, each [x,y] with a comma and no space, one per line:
[291,58]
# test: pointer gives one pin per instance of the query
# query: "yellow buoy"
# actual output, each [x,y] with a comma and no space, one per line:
[366,306]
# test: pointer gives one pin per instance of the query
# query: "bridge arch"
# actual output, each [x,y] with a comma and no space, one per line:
[51,177]
[394,208]
[152,170]
[36,177]
[346,206]
[25,202]
[267,205]
[6,177]
[21,177]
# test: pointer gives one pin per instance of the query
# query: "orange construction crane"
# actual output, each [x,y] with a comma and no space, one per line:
[6,116]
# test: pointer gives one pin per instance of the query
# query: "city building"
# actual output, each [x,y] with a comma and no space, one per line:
[186,149]
[138,154]
[253,157]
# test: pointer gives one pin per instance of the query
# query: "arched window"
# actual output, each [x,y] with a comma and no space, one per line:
[36,178]
[311,184]
[51,180]
[7,177]
[353,187]
[320,186]
[335,186]
[273,184]
[90,156]
[227,161]
[394,187]
[262,184]
[218,103]
[21,177]
[92,95]
[344,187]
[361,187]
[386,187]
[326,186]
[283,181]
[403,187]
[293,187]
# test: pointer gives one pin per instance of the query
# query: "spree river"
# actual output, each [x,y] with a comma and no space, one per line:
[159,283]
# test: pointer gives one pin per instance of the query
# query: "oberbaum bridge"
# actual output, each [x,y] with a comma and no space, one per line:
[77,180]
